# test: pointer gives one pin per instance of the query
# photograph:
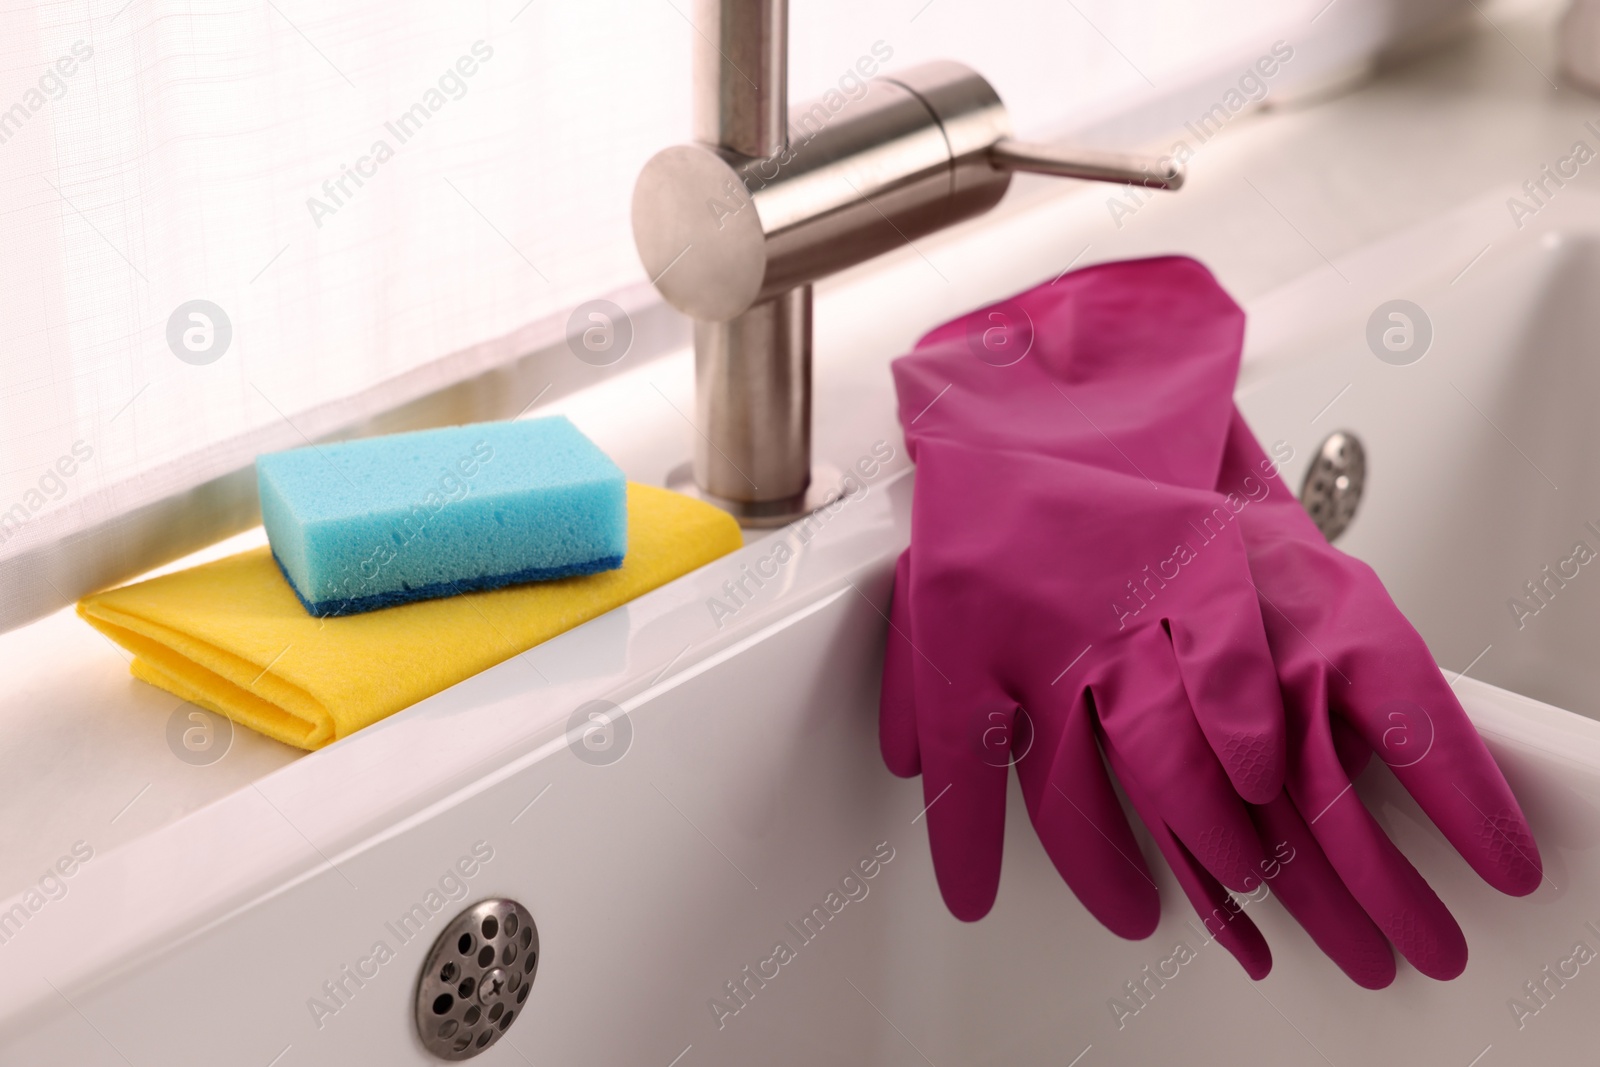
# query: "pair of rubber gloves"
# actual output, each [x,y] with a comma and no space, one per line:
[1104,562]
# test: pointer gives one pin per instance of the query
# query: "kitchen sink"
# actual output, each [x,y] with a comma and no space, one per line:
[742,801]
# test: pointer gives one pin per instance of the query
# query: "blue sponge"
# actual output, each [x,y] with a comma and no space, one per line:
[376,522]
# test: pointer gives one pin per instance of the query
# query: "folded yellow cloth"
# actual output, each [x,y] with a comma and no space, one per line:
[231,637]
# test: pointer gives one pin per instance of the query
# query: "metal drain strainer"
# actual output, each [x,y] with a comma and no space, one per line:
[476,979]
[1332,489]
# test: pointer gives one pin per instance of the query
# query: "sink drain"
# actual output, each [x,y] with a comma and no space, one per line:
[476,978]
[1332,489]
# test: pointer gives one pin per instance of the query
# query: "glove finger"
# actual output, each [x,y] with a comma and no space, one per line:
[1080,822]
[1149,726]
[1232,684]
[963,782]
[1377,874]
[897,716]
[1404,709]
[1390,690]
[1311,891]
[1223,918]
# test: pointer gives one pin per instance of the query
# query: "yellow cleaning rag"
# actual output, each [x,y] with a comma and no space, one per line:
[230,636]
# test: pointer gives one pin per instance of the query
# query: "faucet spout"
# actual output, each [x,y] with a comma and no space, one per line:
[735,227]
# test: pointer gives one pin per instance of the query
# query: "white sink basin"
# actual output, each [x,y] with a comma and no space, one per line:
[1481,456]
[753,784]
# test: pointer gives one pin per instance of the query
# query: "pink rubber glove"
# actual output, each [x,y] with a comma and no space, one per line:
[1301,876]
[1130,699]
[1357,677]
[1016,412]
[1021,557]
[1005,550]
[1128,366]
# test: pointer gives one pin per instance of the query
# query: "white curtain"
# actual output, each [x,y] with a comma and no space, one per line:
[360,188]
[364,189]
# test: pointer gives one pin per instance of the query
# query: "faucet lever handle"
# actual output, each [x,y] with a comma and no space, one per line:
[1063,161]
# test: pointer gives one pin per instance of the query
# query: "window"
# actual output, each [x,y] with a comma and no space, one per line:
[234,227]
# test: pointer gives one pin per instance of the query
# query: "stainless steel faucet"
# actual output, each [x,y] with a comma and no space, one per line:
[734,228]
